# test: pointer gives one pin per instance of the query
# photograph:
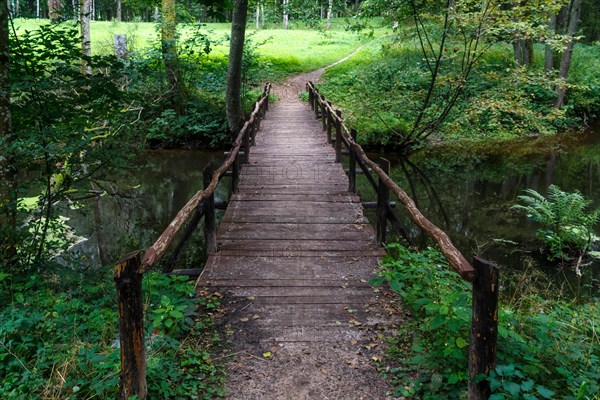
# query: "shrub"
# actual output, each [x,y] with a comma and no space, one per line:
[567,226]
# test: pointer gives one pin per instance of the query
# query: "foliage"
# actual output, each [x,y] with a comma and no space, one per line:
[546,348]
[500,102]
[58,337]
[568,228]
[64,124]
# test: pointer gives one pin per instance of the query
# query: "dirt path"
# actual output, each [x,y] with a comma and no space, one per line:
[288,91]
[295,253]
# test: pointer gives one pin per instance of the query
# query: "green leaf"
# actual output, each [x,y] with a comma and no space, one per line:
[527,385]
[512,388]
[417,360]
[396,285]
[377,281]
[544,392]
[461,343]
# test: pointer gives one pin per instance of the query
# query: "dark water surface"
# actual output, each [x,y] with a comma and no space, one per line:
[467,192]
[470,193]
[140,202]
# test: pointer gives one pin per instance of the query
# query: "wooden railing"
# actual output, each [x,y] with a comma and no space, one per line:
[483,275]
[130,269]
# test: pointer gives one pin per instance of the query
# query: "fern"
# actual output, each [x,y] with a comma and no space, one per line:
[567,227]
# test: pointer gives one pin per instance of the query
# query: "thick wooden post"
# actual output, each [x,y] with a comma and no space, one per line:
[484,327]
[310,96]
[316,100]
[338,137]
[352,165]
[210,229]
[383,194]
[329,124]
[235,173]
[128,280]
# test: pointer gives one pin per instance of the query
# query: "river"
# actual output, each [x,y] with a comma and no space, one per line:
[469,192]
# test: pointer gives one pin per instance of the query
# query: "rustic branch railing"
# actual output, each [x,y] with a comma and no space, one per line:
[482,274]
[129,271]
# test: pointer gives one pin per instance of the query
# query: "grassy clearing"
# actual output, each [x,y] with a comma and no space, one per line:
[287,52]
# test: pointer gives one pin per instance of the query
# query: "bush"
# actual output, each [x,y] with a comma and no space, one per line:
[568,228]
[58,338]
[546,348]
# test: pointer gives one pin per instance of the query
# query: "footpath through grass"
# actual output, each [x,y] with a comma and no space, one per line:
[283,52]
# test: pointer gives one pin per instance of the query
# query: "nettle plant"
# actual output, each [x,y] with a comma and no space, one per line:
[567,227]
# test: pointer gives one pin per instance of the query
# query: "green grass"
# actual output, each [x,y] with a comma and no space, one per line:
[290,51]
[499,102]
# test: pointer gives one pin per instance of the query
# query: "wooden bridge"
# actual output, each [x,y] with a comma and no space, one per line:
[292,258]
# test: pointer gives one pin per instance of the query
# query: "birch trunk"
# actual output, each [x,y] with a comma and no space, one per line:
[86,47]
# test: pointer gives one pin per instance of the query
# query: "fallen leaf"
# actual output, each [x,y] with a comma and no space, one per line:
[267,354]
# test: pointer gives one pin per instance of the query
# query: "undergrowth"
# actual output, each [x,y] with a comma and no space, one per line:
[59,338]
[548,347]
[500,101]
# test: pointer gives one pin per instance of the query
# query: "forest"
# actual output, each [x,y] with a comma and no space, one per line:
[487,109]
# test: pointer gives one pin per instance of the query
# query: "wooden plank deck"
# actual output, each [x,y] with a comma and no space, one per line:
[295,253]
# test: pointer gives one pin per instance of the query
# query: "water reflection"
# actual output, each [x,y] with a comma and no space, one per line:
[139,202]
[471,196]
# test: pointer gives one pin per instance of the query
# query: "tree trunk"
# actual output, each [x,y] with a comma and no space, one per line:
[549,53]
[285,14]
[86,46]
[234,68]
[169,49]
[55,10]
[8,175]
[565,62]
[523,50]
[257,16]
[356,5]
[518,51]
[329,13]
[262,16]
[119,11]
[37,8]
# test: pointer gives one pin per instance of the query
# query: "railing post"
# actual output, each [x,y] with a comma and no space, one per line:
[266,103]
[329,124]
[246,146]
[128,281]
[484,328]
[253,129]
[383,194]
[329,127]
[352,164]
[210,231]
[316,100]
[338,137]
[324,115]
[310,96]
[235,173]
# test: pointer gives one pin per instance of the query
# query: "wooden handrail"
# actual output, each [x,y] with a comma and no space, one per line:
[455,258]
[129,271]
[159,248]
